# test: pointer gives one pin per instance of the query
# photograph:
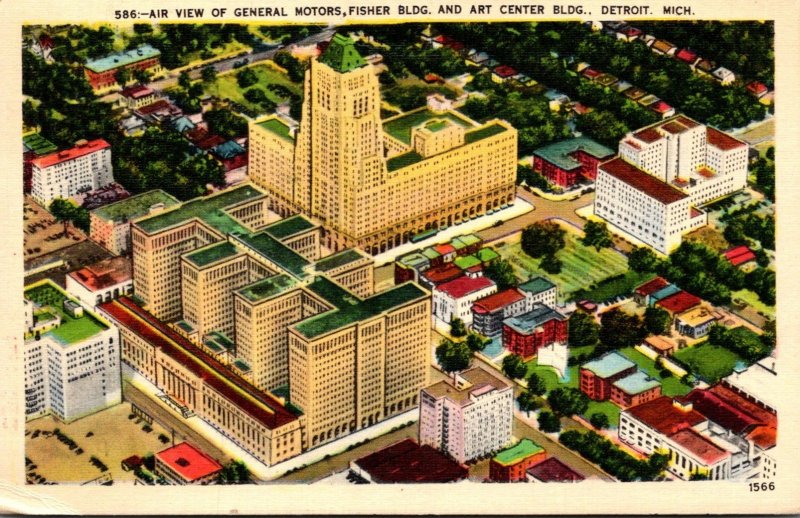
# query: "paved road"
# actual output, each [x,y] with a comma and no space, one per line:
[227,64]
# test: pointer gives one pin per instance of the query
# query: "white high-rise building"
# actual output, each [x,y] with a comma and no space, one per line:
[467,417]
[83,168]
[71,356]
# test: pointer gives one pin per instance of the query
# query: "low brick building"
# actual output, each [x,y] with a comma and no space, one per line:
[525,334]
[635,389]
[568,162]
[512,464]
[597,376]
[488,313]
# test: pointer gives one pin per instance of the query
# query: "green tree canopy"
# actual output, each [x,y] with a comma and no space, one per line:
[457,327]
[501,272]
[568,401]
[543,238]
[619,329]
[549,422]
[642,259]
[583,329]
[596,234]
[657,320]
[453,356]
[514,367]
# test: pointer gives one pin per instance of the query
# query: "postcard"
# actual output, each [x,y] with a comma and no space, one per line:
[400,257]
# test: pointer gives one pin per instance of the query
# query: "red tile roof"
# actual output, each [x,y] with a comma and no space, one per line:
[633,144]
[136,91]
[440,274]
[189,462]
[104,274]
[686,55]
[591,73]
[722,140]
[664,417]
[672,126]
[660,107]
[505,71]
[82,149]
[652,286]
[642,181]
[406,461]
[679,302]
[497,301]
[686,121]
[757,87]
[734,412]
[261,406]
[445,249]
[631,31]
[698,445]
[648,135]
[739,255]
[155,107]
[553,470]
[463,286]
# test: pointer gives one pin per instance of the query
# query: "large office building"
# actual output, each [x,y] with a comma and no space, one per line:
[110,225]
[80,169]
[376,183]
[663,173]
[467,417]
[71,356]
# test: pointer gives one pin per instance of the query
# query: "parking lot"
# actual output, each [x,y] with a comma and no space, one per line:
[43,234]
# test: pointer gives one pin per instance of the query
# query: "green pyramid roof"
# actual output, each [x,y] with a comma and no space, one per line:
[341,55]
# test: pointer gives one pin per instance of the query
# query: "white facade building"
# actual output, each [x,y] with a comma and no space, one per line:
[455,298]
[101,282]
[72,365]
[85,167]
[468,417]
[538,290]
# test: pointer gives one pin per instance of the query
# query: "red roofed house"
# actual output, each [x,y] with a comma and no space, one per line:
[641,294]
[553,470]
[663,109]
[687,56]
[135,97]
[679,302]
[408,462]
[454,299]
[503,73]
[757,88]
[63,174]
[488,313]
[447,251]
[590,73]
[739,255]
[184,464]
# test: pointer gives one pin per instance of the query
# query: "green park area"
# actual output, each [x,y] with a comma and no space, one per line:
[613,286]
[582,267]
[752,300]
[708,361]
[226,86]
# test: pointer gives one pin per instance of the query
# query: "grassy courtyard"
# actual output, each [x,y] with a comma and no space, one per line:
[582,266]
[614,286]
[226,87]
[710,362]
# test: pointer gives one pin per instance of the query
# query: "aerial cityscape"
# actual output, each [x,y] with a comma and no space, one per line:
[408,253]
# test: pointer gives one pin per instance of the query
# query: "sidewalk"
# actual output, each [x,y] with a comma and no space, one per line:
[519,208]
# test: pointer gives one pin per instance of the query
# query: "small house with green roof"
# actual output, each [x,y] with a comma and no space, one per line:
[511,464]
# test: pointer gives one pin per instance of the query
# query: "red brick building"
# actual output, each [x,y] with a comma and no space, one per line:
[599,375]
[185,464]
[635,389]
[525,334]
[553,470]
[102,73]
[568,162]
[511,464]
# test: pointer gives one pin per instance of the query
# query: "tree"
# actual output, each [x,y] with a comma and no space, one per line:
[551,264]
[528,402]
[543,238]
[657,321]
[123,76]
[642,259]
[457,327]
[226,123]
[142,76]
[476,342]
[502,273]
[599,420]
[184,81]
[453,356]
[142,28]
[208,74]
[236,472]
[583,329]
[734,233]
[536,385]
[596,234]
[568,401]
[549,422]
[246,77]
[514,367]
[63,210]
[619,329]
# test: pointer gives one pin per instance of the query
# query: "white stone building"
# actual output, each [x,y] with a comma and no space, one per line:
[455,298]
[63,174]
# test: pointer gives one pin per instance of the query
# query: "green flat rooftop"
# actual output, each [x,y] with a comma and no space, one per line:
[278,127]
[275,251]
[212,253]
[336,260]
[135,206]
[38,144]
[559,152]
[404,160]
[241,365]
[521,451]
[209,209]
[288,227]
[268,287]
[537,285]
[71,330]
[186,326]
[367,308]
[220,339]
[468,239]
[332,293]
[486,255]
[430,253]
[122,59]
[414,259]
[400,126]
[485,132]
[467,261]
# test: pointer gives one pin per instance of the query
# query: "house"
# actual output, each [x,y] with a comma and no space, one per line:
[553,470]
[159,111]
[739,255]
[202,139]
[679,302]
[621,86]
[503,73]
[591,73]
[598,375]
[634,94]
[556,100]
[642,293]
[42,46]
[628,34]
[526,333]
[512,464]
[428,34]
[661,344]
[407,462]
[433,78]
[581,109]
[648,100]
[476,58]
[447,251]
[723,75]
[489,312]
[696,322]
[230,154]
[757,88]
[569,162]
[454,299]
[132,126]
[704,67]
[663,109]
[606,80]
[134,97]
[184,464]
[687,56]
[664,48]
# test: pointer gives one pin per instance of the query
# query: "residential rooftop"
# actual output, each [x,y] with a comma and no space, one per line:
[537,285]
[266,288]
[636,383]
[135,206]
[560,153]
[289,227]
[46,294]
[121,59]
[212,253]
[608,365]
[278,127]
[642,182]
[519,452]
[210,209]
[275,251]
[367,308]
[400,126]
[342,258]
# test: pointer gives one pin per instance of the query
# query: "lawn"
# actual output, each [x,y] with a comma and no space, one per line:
[670,386]
[192,58]
[225,86]
[708,361]
[604,407]
[614,286]
[582,266]
[751,299]
[550,376]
